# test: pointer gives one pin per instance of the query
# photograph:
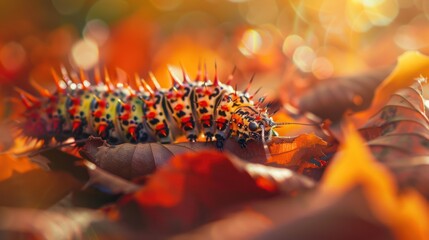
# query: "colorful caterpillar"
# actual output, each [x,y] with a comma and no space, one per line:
[121,114]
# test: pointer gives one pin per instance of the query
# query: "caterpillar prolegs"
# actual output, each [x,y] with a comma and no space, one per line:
[121,114]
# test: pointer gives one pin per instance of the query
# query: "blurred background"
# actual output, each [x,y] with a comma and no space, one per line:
[289,44]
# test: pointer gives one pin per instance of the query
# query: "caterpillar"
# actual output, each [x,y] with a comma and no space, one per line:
[121,114]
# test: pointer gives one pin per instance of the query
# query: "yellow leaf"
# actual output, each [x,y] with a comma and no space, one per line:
[406,214]
[410,66]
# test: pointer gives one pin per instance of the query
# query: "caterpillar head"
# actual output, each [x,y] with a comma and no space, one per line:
[261,129]
[249,123]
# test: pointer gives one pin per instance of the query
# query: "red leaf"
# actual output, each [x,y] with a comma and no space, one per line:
[192,189]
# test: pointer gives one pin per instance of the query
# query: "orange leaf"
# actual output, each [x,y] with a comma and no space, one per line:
[406,214]
[297,152]
[410,66]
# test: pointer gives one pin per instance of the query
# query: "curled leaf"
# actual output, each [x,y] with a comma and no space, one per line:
[410,65]
[399,133]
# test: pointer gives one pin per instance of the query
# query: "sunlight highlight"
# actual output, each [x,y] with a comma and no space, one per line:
[85,54]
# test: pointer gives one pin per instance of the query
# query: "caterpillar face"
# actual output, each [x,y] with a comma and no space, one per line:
[249,123]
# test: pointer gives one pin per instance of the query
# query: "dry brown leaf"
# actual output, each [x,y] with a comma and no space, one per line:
[332,98]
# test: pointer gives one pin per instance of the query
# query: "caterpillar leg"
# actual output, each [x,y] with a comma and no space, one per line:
[219,141]
[192,138]
[209,136]
[242,142]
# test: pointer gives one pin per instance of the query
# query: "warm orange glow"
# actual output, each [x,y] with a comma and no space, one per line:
[291,47]
[251,43]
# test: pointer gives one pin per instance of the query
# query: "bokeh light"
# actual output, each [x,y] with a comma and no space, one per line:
[290,43]
[322,68]
[365,14]
[85,54]
[303,58]
[251,43]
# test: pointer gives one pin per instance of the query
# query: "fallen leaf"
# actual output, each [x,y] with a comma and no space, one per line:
[194,188]
[129,161]
[298,152]
[313,215]
[405,213]
[398,134]
[410,65]
[87,172]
